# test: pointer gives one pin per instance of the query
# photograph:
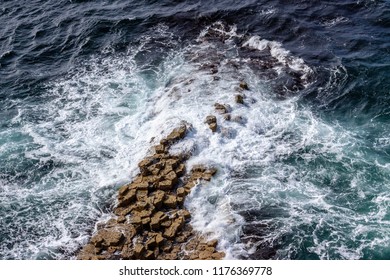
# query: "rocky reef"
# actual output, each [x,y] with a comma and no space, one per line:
[150,219]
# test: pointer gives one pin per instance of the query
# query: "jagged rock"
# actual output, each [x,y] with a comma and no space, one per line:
[213,127]
[171,176]
[213,243]
[184,213]
[139,250]
[181,192]
[204,255]
[142,195]
[143,185]
[158,198]
[159,149]
[180,170]
[244,86]
[127,199]
[172,162]
[239,99]
[218,255]
[211,119]
[174,136]
[157,219]
[144,164]
[151,243]
[198,168]
[149,255]
[170,201]
[220,108]
[165,185]
[145,221]
[166,224]
[107,238]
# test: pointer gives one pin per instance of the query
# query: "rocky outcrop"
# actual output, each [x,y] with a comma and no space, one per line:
[150,220]
[212,122]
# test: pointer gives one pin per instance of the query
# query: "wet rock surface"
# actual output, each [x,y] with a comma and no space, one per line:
[150,220]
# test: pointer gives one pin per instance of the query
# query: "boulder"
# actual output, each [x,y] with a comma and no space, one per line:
[211,119]
[239,99]
[220,108]
[213,127]
[165,185]
[139,250]
[244,85]
[151,243]
[158,198]
[128,198]
[204,255]
[159,149]
[181,192]
[170,201]
[107,238]
[171,176]
[180,170]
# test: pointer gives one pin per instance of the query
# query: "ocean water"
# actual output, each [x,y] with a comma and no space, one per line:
[87,87]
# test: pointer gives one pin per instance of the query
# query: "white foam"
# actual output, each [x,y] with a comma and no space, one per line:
[101,121]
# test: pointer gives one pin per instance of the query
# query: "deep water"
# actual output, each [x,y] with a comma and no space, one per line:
[87,87]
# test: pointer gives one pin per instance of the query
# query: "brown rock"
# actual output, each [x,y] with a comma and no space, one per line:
[172,162]
[123,190]
[171,176]
[142,195]
[181,192]
[180,170]
[149,255]
[239,99]
[127,199]
[211,119]
[145,221]
[170,201]
[180,201]
[198,168]
[159,149]
[157,219]
[165,185]
[205,255]
[220,108]
[158,198]
[151,243]
[213,243]
[144,164]
[139,250]
[174,136]
[107,238]
[218,255]
[136,220]
[166,224]
[159,239]
[213,127]
[244,86]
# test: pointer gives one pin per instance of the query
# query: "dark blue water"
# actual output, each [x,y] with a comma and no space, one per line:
[86,85]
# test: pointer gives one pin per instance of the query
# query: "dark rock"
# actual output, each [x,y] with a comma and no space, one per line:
[244,86]
[213,127]
[211,119]
[220,108]
[165,185]
[239,99]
